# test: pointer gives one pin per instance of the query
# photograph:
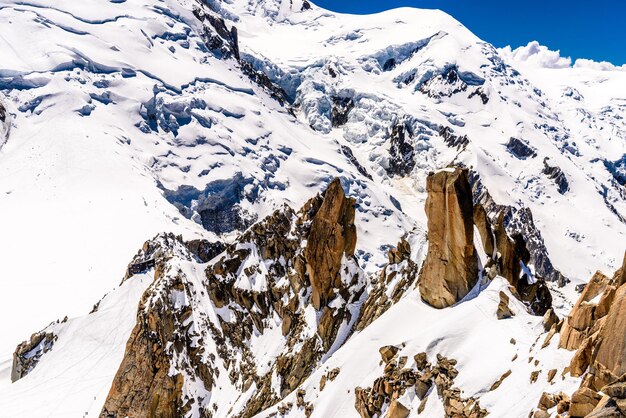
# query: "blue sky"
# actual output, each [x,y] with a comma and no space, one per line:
[580,29]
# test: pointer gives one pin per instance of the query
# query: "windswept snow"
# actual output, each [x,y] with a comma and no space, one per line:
[121,123]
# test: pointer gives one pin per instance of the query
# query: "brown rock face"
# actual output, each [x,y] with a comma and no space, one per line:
[578,326]
[332,235]
[596,328]
[611,354]
[451,266]
[481,220]
[583,402]
[142,386]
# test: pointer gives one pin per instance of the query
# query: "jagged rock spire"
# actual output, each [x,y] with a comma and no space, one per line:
[451,266]
[332,235]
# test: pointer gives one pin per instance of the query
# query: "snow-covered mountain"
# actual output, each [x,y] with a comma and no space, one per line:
[213,131]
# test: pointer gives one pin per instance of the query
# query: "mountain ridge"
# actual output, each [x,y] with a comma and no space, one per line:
[124,120]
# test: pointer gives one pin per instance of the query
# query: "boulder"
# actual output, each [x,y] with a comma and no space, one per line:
[584,400]
[504,311]
[549,318]
[397,410]
[451,266]
[388,352]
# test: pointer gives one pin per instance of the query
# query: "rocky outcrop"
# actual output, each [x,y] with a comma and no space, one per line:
[190,328]
[205,250]
[347,152]
[342,106]
[28,353]
[451,139]
[332,235]
[389,285]
[518,221]
[451,266]
[595,329]
[382,398]
[513,257]
[504,311]
[557,175]
[580,323]
[144,385]
[520,149]
[401,151]
[481,221]
[4,124]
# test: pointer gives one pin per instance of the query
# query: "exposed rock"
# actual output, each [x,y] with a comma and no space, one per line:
[167,366]
[219,206]
[557,175]
[608,408]
[518,221]
[596,328]
[549,319]
[617,389]
[401,151]
[551,374]
[610,359]
[513,255]
[397,410]
[402,271]
[481,220]
[584,400]
[347,151]
[484,97]
[452,140]
[451,266]
[547,401]
[396,381]
[388,352]
[520,149]
[341,109]
[332,236]
[497,383]
[28,353]
[144,384]
[331,375]
[503,307]
[578,325]
[205,250]
[534,376]
[421,361]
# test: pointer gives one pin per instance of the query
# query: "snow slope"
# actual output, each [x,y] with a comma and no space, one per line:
[124,123]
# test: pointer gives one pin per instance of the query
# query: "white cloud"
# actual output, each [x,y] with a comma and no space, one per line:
[536,55]
[600,66]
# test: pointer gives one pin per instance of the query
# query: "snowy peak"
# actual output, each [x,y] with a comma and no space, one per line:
[207,124]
